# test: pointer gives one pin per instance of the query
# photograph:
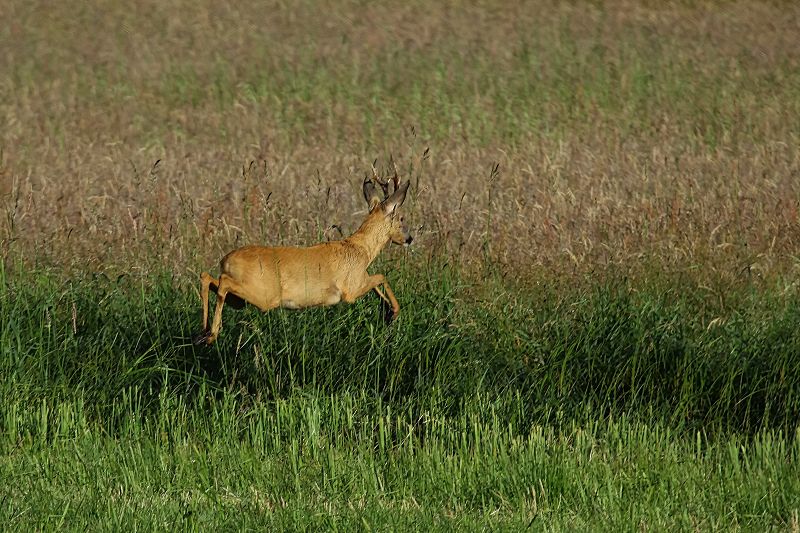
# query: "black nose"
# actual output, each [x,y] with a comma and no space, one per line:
[409,239]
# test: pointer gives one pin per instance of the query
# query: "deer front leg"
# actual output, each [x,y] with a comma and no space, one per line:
[373,283]
[379,292]
[392,300]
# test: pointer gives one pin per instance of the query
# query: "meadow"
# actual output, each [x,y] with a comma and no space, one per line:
[603,334]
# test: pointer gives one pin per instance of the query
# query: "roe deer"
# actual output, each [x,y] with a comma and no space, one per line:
[324,274]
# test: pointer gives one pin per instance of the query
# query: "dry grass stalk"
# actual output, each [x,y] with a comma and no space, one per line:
[624,133]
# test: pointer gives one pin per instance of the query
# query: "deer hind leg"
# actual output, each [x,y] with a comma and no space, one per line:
[226,284]
[206,282]
[229,289]
[210,284]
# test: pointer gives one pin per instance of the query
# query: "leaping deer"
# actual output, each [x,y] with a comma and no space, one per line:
[324,274]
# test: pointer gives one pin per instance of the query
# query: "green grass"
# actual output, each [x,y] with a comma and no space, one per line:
[658,348]
[311,462]
[609,405]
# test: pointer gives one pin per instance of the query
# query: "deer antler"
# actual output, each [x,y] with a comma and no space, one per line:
[383,183]
[395,179]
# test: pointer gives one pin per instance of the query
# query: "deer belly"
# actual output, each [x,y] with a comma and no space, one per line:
[327,297]
[290,304]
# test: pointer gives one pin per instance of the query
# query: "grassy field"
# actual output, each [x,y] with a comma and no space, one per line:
[605,335]
[600,408]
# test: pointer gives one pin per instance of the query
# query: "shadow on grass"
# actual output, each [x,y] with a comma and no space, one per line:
[648,351]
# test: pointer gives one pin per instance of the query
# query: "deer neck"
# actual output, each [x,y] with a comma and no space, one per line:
[371,236]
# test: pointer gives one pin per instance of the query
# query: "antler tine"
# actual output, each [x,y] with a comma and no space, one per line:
[396,177]
[383,183]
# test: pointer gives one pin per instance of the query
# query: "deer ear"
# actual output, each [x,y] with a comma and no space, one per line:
[370,194]
[396,199]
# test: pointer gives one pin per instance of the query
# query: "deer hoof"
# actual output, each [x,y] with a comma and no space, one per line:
[204,337]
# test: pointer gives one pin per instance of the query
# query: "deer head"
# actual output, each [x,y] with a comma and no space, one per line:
[384,198]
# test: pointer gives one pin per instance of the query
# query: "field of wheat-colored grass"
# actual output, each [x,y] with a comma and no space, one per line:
[625,133]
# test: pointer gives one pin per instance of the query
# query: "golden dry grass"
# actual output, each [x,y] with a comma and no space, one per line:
[627,133]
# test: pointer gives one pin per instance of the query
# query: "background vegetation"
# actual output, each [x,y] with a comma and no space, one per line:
[603,335]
